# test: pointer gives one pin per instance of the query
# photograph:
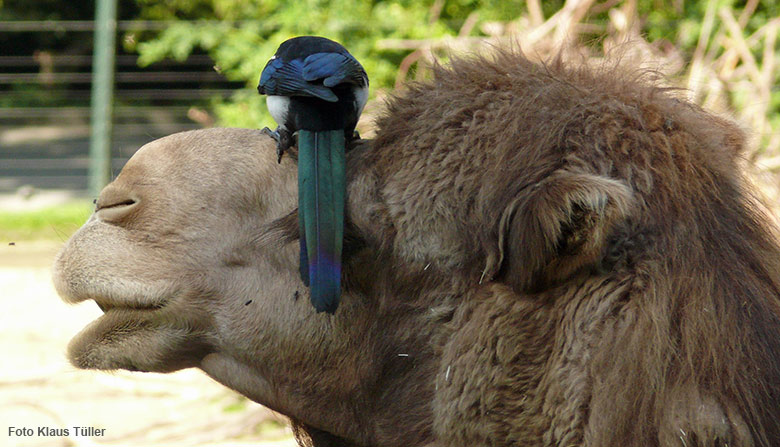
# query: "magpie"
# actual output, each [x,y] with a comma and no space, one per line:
[317,89]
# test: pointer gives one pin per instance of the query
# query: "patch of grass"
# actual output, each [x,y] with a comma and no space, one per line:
[237,405]
[52,223]
[272,429]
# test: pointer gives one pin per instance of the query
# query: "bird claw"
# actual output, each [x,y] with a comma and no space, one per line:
[282,138]
[285,142]
[271,133]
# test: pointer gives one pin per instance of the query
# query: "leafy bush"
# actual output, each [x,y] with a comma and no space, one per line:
[241,35]
[51,223]
[724,52]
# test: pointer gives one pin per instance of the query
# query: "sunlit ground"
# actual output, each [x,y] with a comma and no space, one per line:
[39,388]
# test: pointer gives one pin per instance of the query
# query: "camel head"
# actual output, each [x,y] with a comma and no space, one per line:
[554,254]
[186,257]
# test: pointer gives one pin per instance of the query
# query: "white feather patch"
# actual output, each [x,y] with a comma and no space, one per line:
[278,106]
[361,96]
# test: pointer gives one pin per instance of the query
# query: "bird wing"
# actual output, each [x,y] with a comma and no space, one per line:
[334,69]
[286,79]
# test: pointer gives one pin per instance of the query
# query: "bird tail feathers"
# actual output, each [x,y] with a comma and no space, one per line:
[321,191]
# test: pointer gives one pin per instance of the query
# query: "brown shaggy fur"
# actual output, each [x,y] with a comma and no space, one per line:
[536,255]
[610,278]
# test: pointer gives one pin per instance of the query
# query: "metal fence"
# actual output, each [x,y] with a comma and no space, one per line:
[45,106]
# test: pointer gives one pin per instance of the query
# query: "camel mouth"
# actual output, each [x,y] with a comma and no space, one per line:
[140,338]
[118,315]
[105,306]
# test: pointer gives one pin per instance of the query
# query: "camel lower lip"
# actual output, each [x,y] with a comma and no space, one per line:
[114,340]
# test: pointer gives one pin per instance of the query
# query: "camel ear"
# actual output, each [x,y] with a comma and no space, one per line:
[558,227]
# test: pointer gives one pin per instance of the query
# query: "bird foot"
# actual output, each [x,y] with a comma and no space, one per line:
[271,133]
[283,141]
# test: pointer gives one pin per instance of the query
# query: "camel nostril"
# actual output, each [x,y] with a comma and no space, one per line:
[116,202]
[115,210]
[127,202]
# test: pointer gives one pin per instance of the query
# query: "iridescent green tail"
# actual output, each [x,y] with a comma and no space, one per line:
[321,190]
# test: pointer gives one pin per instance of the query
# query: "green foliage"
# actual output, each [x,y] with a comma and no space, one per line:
[680,22]
[52,223]
[237,404]
[240,35]
[24,94]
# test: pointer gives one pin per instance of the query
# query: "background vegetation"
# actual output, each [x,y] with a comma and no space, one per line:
[723,53]
[55,223]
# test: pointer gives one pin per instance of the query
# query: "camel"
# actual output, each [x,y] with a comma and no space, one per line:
[535,255]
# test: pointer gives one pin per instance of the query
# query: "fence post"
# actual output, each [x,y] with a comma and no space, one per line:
[102,96]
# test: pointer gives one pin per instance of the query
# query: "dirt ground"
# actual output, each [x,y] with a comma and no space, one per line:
[40,389]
